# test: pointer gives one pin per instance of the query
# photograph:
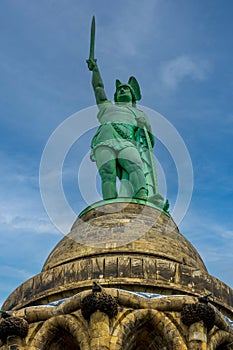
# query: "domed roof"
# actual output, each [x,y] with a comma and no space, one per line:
[129,246]
[120,228]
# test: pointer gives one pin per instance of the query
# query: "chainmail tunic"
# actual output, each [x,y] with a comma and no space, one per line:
[118,127]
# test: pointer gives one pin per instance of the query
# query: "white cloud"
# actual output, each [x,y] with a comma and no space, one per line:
[9,272]
[213,239]
[34,224]
[227,234]
[20,203]
[176,70]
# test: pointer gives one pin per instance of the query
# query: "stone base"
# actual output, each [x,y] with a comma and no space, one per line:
[137,323]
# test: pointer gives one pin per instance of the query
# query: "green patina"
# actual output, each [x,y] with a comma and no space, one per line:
[160,205]
[122,145]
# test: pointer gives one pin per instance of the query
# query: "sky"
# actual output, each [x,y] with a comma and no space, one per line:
[181,53]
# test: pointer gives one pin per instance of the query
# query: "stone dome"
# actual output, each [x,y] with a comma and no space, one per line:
[120,228]
[129,246]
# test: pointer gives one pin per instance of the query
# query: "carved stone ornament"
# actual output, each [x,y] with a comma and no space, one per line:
[99,300]
[13,326]
[193,313]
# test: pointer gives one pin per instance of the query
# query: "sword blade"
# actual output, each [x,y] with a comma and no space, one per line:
[92,41]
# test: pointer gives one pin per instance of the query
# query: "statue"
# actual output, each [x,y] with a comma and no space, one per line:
[122,145]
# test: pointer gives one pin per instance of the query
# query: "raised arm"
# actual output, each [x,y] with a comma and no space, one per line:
[97,82]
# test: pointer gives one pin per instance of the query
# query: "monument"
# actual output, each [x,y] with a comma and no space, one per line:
[123,143]
[134,282]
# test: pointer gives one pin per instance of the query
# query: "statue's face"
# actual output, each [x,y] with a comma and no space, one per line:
[124,94]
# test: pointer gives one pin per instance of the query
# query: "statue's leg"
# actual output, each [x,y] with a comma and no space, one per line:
[106,163]
[130,160]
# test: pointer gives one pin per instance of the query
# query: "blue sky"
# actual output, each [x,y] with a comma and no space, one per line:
[181,53]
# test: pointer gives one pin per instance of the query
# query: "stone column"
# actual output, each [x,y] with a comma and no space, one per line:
[99,325]
[197,337]
[200,319]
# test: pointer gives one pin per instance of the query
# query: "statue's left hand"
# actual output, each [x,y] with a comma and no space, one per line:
[141,122]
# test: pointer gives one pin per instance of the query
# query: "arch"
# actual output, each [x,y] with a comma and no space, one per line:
[220,340]
[62,332]
[146,329]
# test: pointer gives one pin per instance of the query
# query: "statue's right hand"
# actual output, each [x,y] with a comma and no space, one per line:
[91,63]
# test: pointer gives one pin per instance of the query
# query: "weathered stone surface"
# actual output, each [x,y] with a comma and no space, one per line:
[193,313]
[13,326]
[158,260]
[140,323]
[99,301]
[139,228]
[161,261]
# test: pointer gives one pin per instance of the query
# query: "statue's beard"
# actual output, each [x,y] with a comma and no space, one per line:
[124,99]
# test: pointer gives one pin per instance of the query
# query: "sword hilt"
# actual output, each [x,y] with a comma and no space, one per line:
[91,63]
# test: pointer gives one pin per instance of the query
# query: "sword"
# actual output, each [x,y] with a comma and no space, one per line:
[152,162]
[92,42]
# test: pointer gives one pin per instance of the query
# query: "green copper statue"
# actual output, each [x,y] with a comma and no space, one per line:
[122,145]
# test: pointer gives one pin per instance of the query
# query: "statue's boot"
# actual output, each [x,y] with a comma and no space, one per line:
[109,190]
[141,194]
[138,182]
